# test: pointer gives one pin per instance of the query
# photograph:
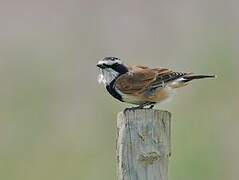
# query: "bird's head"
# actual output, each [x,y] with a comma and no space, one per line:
[110,67]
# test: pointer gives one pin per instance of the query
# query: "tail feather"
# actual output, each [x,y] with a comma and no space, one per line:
[188,78]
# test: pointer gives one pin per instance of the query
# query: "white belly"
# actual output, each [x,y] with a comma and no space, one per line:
[157,97]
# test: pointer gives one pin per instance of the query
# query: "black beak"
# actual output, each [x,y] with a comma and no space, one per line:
[102,66]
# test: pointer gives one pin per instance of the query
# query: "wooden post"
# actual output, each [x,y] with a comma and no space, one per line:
[143,144]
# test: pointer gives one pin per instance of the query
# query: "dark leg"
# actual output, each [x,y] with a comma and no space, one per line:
[152,106]
[141,106]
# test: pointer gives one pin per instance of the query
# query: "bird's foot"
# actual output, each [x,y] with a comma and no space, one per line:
[133,108]
[151,106]
[142,106]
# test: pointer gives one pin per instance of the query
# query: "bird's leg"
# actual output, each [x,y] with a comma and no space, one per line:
[146,104]
[141,106]
[152,106]
[134,108]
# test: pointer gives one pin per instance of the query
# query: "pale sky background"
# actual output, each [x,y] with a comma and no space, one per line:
[56,122]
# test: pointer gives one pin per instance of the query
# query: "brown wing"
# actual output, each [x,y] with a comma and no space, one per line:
[136,81]
[165,76]
[141,78]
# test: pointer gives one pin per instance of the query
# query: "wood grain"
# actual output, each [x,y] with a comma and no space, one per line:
[143,144]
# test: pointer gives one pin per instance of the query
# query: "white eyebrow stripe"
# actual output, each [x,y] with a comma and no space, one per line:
[109,62]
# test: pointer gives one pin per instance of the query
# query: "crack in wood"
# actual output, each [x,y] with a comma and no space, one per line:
[149,158]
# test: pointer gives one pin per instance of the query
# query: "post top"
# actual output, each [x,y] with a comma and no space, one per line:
[145,110]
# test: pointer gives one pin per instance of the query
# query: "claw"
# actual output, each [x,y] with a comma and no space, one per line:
[142,106]
[152,106]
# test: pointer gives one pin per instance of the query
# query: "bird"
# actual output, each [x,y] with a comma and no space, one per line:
[141,85]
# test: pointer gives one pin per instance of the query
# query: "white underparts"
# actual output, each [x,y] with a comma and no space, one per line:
[138,101]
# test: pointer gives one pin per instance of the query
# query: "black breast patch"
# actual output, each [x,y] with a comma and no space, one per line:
[111,89]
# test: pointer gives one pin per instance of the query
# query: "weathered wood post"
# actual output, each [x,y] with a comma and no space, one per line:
[143,144]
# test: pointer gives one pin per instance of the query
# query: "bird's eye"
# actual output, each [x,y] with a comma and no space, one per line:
[113,58]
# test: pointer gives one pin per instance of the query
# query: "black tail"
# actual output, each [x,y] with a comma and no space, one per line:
[188,78]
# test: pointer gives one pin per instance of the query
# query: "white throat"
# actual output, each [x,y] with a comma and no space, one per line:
[106,76]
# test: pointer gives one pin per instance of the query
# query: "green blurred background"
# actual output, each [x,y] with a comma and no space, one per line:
[56,122]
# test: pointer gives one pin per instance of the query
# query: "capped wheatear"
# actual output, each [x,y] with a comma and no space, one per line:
[141,85]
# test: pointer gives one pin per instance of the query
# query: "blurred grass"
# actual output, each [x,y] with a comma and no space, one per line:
[56,122]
